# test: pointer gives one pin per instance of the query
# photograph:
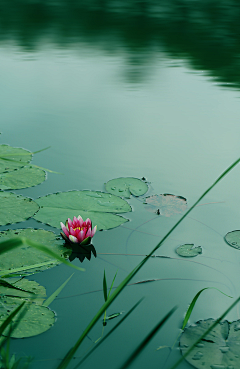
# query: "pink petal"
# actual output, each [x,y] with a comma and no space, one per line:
[73,232]
[94,231]
[80,221]
[89,233]
[70,224]
[88,222]
[81,236]
[73,239]
[75,222]
[65,230]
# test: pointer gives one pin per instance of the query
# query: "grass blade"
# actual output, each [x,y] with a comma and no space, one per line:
[206,332]
[56,293]
[109,333]
[10,317]
[112,285]
[105,286]
[119,289]
[190,309]
[5,273]
[147,339]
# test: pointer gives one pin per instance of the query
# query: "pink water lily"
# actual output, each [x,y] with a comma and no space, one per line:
[78,231]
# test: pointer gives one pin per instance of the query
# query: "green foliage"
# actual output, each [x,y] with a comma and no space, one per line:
[125,187]
[16,208]
[233,239]
[166,205]
[22,178]
[27,256]
[24,289]
[12,158]
[56,293]
[96,205]
[188,250]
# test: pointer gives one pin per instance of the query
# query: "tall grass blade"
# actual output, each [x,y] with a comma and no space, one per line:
[112,285]
[118,290]
[191,306]
[206,332]
[56,293]
[10,317]
[108,334]
[8,273]
[105,286]
[147,339]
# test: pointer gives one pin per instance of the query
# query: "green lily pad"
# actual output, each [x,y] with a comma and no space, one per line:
[188,250]
[218,350]
[12,158]
[36,320]
[26,256]
[16,208]
[96,205]
[165,204]
[233,239]
[26,289]
[125,187]
[22,178]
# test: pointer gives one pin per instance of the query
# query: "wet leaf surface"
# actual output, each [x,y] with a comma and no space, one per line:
[166,204]
[96,205]
[16,208]
[125,187]
[188,250]
[233,239]
[22,178]
[12,155]
[26,256]
[218,350]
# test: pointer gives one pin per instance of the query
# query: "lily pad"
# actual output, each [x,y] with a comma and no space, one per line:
[26,289]
[26,256]
[125,187]
[12,158]
[96,205]
[188,250]
[22,178]
[166,204]
[233,239]
[218,350]
[16,208]
[36,320]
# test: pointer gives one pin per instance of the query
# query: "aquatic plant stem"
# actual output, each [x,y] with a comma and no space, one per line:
[72,351]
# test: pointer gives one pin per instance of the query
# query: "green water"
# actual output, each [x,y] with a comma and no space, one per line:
[129,89]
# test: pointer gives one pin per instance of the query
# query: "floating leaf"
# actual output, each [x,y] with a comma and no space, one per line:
[26,256]
[233,239]
[218,350]
[12,158]
[25,289]
[125,187]
[96,205]
[166,204]
[188,250]
[22,178]
[36,320]
[16,208]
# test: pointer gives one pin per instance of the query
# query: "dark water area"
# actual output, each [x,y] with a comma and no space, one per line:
[129,89]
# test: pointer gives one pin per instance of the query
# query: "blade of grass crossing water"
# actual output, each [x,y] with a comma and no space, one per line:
[147,339]
[190,309]
[206,332]
[112,285]
[56,293]
[108,334]
[118,290]
[104,286]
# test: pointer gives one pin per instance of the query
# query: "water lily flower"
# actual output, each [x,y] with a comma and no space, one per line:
[78,231]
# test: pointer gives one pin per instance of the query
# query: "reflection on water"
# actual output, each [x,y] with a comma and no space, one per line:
[206,33]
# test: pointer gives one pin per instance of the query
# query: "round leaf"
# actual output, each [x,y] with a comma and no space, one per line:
[25,289]
[22,178]
[96,205]
[218,350]
[26,256]
[36,320]
[233,239]
[166,204]
[188,250]
[16,208]
[12,158]
[124,187]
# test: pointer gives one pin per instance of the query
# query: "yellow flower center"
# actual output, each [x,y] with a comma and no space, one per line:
[80,228]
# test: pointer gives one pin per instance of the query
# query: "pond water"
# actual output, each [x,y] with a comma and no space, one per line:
[129,90]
